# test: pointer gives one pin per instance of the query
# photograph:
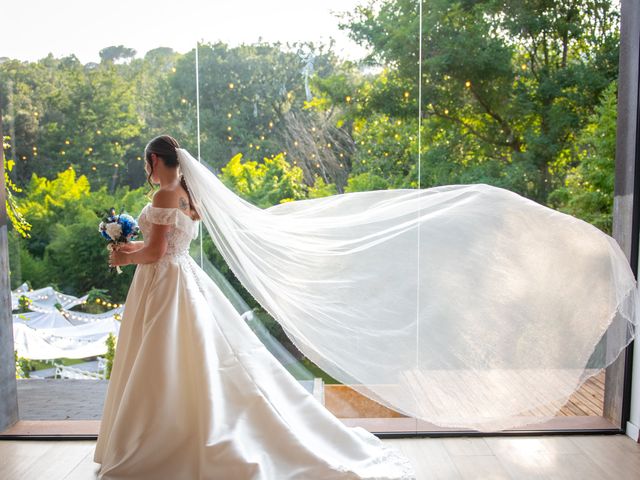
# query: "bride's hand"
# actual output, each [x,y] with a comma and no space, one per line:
[117,258]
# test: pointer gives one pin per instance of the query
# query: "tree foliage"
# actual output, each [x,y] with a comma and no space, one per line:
[518,94]
[509,82]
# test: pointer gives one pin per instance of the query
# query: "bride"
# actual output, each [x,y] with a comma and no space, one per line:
[193,393]
[463,306]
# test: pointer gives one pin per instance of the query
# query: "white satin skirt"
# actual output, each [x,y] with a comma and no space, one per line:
[194,394]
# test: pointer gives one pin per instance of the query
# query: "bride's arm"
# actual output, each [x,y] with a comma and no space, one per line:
[156,242]
[150,252]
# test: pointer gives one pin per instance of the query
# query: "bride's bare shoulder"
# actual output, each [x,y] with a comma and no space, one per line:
[164,198]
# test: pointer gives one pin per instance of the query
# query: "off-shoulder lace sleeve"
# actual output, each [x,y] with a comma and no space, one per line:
[162,216]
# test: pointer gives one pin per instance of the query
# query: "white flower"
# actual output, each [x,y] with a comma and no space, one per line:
[114,230]
[101,226]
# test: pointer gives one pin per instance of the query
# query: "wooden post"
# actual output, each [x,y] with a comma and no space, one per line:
[8,385]
[626,205]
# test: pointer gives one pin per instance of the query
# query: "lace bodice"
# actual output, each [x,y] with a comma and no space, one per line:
[183,230]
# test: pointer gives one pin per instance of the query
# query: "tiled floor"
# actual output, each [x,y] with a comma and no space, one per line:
[50,399]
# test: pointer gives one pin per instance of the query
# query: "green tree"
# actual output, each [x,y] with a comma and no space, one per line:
[264,184]
[588,189]
[511,81]
[115,53]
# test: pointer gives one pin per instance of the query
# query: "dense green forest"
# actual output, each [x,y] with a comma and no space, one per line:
[520,95]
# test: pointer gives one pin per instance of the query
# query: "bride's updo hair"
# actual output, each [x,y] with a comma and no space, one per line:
[164,146]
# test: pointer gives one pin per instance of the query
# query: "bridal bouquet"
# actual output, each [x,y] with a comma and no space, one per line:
[117,229]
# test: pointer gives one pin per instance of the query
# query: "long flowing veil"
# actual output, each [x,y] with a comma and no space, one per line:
[465,306]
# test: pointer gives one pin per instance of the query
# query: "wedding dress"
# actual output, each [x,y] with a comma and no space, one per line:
[194,394]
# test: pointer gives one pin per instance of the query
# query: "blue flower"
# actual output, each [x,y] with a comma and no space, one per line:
[128,227]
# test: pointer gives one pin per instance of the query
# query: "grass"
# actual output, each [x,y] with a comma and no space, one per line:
[42,365]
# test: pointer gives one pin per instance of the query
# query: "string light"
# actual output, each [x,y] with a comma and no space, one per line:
[467,84]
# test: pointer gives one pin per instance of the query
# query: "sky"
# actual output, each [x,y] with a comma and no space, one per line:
[31,29]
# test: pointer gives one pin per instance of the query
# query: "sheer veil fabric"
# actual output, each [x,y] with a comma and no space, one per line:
[465,306]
